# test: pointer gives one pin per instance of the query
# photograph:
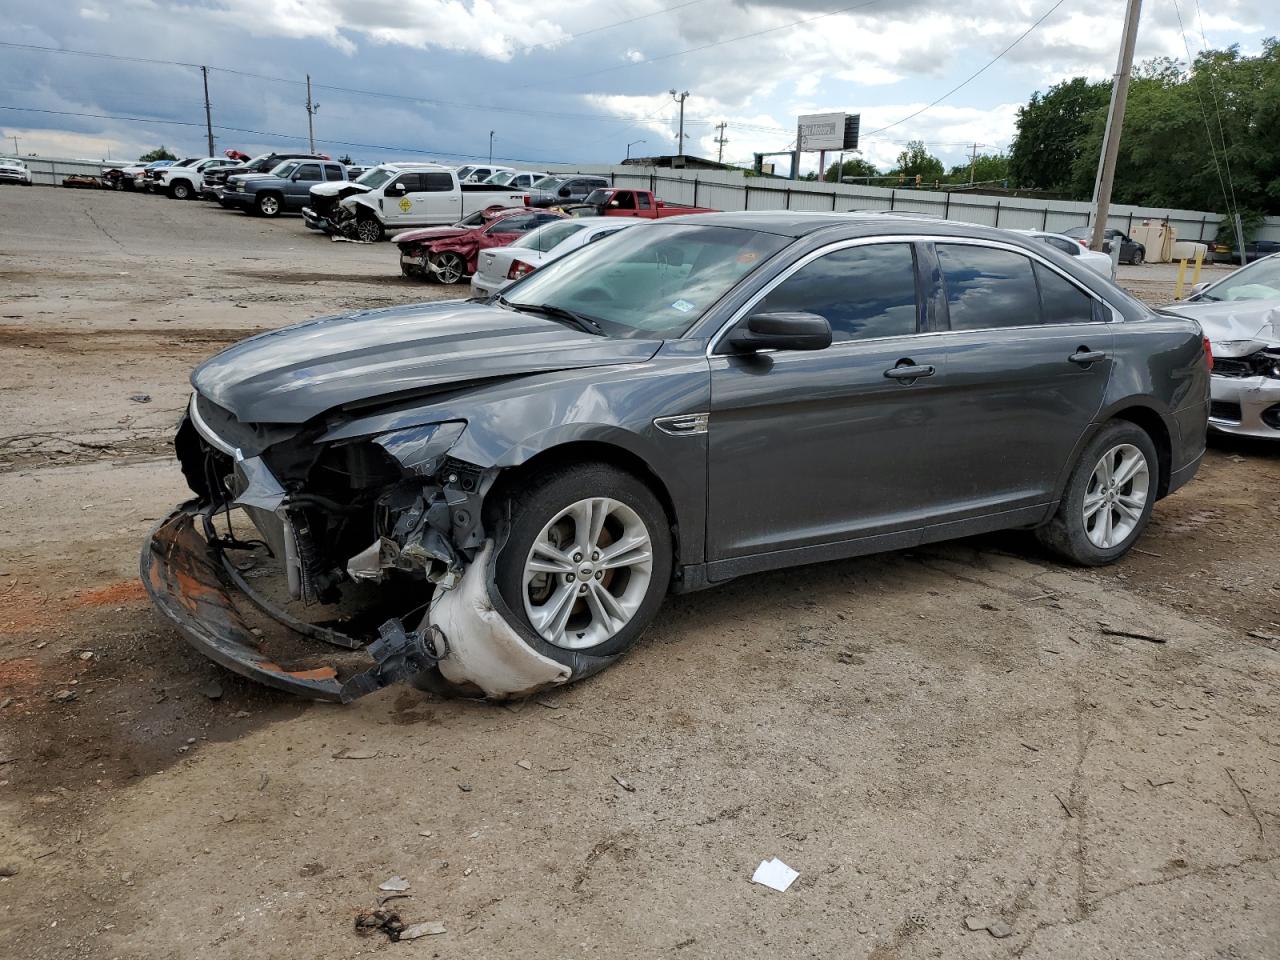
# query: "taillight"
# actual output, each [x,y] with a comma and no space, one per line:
[1208,353]
[528,200]
[521,269]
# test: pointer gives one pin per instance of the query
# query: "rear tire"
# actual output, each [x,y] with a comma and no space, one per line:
[608,598]
[1108,499]
[1139,257]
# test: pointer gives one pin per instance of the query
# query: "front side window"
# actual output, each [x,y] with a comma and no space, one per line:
[987,287]
[652,283]
[408,183]
[1061,301]
[863,292]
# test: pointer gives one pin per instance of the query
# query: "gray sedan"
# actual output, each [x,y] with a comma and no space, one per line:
[511,487]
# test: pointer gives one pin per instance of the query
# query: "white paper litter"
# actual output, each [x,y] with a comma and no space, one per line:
[774,874]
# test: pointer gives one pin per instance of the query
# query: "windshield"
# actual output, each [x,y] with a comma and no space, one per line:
[464,172]
[1258,281]
[547,236]
[476,219]
[549,183]
[285,170]
[651,283]
[375,178]
[598,196]
[501,179]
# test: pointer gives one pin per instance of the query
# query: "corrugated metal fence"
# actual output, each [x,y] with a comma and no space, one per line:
[726,190]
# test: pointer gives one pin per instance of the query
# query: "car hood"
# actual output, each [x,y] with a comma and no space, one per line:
[1235,328]
[429,233]
[331,188]
[296,373]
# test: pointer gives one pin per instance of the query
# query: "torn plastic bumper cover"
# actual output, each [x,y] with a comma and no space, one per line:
[462,645]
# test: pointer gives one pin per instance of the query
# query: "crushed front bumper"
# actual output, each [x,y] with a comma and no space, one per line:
[1246,406]
[185,576]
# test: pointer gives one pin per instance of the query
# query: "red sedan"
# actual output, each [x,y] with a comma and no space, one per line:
[448,254]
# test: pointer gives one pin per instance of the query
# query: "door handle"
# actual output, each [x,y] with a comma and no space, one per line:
[909,371]
[1085,356]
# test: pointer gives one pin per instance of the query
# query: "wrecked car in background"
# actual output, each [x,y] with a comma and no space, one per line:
[500,267]
[495,497]
[1240,314]
[448,254]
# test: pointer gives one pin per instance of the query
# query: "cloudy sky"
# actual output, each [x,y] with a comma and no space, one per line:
[556,81]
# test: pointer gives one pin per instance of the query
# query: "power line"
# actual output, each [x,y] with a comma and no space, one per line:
[1222,133]
[1204,113]
[974,76]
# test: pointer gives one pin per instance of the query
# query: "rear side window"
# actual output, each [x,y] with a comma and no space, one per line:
[436,182]
[642,200]
[1060,300]
[988,288]
[332,173]
[1066,246]
[863,292]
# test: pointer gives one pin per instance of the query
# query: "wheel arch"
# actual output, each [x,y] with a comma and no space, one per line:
[1149,420]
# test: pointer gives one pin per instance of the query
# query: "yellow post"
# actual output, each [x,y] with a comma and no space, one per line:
[1182,276]
[1195,276]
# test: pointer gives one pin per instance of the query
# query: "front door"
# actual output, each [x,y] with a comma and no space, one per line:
[820,447]
[1028,360]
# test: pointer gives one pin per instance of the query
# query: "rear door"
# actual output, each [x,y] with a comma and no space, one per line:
[441,199]
[808,448]
[1028,354]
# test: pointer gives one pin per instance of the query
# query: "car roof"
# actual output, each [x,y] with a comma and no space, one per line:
[413,167]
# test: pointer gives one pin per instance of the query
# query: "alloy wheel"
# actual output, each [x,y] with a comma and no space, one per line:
[449,268]
[269,206]
[1116,496]
[368,231]
[587,573]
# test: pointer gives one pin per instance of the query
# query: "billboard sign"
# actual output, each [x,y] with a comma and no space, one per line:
[828,131]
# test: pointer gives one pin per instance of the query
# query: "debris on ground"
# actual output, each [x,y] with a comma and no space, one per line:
[432,928]
[394,885]
[8,870]
[774,874]
[347,754]
[141,398]
[86,655]
[524,764]
[976,923]
[381,920]
[212,690]
[64,696]
[1110,631]
[623,784]
[999,929]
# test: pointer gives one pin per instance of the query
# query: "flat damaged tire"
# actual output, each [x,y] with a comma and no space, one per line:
[586,562]
[1108,499]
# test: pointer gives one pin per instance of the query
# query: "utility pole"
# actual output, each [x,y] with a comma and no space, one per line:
[973,163]
[311,112]
[721,140]
[795,156]
[1115,123]
[680,98]
[491,147]
[208,114]
[15,145]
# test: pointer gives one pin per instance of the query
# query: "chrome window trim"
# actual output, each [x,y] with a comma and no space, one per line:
[812,255]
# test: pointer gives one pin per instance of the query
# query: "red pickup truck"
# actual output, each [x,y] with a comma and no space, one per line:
[614,202]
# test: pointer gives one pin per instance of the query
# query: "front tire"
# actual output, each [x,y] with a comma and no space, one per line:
[587,560]
[1108,499]
[267,205]
[181,190]
[448,267]
[368,230]
[1139,257]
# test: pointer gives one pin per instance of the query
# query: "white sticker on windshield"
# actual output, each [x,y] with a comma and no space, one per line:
[684,306]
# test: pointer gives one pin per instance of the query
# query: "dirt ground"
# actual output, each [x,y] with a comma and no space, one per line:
[927,737]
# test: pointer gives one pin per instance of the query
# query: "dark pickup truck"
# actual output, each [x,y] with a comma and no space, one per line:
[214,181]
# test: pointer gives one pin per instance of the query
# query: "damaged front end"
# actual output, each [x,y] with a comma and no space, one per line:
[333,558]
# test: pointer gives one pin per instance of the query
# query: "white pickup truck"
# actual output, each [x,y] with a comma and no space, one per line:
[399,195]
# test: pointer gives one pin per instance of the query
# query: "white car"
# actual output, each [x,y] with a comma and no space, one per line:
[1095,261]
[182,180]
[518,179]
[479,173]
[14,171]
[500,266]
[1240,314]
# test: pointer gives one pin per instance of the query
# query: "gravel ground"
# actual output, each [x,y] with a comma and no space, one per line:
[928,737]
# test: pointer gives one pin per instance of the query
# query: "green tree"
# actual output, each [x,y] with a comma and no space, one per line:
[159,153]
[1051,128]
[852,167]
[986,168]
[917,161]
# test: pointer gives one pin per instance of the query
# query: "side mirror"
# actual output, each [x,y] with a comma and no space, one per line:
[564,191]
[1198,289]
[782,331]
[613,203]
[395,189]
[296,177]
[660,203]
